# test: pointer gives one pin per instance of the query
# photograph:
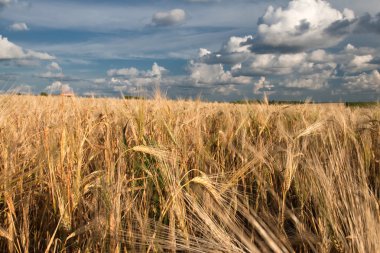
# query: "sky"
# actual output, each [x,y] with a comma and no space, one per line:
[216,50]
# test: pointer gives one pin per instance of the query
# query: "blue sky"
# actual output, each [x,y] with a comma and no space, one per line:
[215,49]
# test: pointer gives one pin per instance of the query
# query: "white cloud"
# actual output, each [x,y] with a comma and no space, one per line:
[311,82]
[236,44]
[54,66]
[58,86]
[262,86]
[226,89]
[208,74]
[136,81]
[305,70]
[289,46]
[123,72]
[303,24]
[203,52]
[38,55]
[274,64]
[54,71]
[224,58]
[355,60]
[320,56]
[350,48]
[19,27]
[52,75]
[205,74]
[169,18]
[311,70]
[10,51]
[360,62]
[364,81]
[233,51]
[156,71]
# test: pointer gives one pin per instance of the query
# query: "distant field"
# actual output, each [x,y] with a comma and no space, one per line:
[111,175]
[275,102]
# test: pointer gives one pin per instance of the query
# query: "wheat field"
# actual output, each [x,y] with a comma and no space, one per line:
[112,175]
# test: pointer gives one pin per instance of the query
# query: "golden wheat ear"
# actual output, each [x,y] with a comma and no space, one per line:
[134,175]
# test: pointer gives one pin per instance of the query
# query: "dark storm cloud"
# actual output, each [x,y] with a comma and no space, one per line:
[261,48]
[303,27]
[230,59]
[363,24]
[340,27]
[256,45]
[368,23]
[375,61]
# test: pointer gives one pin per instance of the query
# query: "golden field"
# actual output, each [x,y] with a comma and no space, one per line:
[112,175]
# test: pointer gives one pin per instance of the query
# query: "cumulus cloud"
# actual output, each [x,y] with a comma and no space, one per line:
[10,51]
[60,87]
[289,72]
[360,63]
[234,51]
[19,27]
[169,18]
[226,89]
[302,25]
[54,66]
[291,47]
[132,72]
[342,27]
[304,70]
[264,64]
[352,50]
[224,58]
[262,85]
[285,64]
[203,52]
[208,74]
[54,71]
[357,60]
[364,81]
[315,81]
[310,69]
[237,44]
[205,74]
[320,56]
[134,81]
[156,71]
